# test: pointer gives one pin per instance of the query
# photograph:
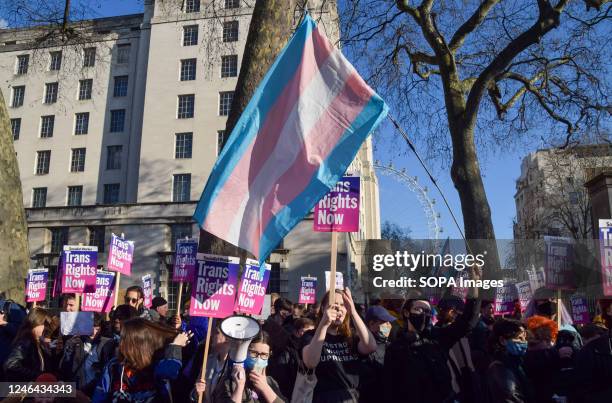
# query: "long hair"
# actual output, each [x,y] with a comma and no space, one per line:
[142,342]
[345,327]
[36,317]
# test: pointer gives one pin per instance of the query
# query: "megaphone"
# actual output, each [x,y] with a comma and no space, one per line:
[240,330]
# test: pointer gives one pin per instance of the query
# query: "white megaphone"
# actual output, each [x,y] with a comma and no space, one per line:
[240,330]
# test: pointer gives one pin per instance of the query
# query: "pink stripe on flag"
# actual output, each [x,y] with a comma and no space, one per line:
[227,202]
[340,114]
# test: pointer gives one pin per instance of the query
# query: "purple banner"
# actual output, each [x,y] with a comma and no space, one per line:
[504,299]
[185,260]
[605,246]
[79,266]
[214,288]
[558,263]
[102,299]
[338,210]
[308,291]
[580,311]
[252,288]
[36,285]
[120,255]
[523,290]
[147,288]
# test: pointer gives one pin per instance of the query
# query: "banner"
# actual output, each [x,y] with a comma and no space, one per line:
[147,288]
[504,299]
[580,310]
[36,285]
[214,288]
[120,255]
[185,261]
[79,266]
[524,294]
[537,279]
[308,290]
[102,299]
[558,263]
[605,246]
[252,288]
[339,280]
[338,210]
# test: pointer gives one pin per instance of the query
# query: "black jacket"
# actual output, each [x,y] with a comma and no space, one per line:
[593,372]
[507,381]
[23,362]
[416,364]
[72,364]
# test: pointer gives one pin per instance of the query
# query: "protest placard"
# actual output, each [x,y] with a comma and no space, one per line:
[36,285]
[523,290]
[185,260]
[461,292]
[120,255]
[102,299]
[504,299]
[605,247]
[558,262]
[537,279]
[580,310]
[308,290]
[338,210]
[252,288]
[339,280]
[76,323]
[214,288]
[79,266]
[147,289]
[266,310]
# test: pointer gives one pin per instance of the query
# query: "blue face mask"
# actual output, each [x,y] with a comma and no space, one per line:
[255,363]
[516,348]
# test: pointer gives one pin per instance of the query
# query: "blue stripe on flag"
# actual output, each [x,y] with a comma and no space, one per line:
[255,113]
[328,174]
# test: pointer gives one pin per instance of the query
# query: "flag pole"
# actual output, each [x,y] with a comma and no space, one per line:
[206,347]
[332,272]
[559,308]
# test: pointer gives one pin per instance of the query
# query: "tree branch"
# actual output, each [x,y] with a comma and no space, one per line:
[471,24]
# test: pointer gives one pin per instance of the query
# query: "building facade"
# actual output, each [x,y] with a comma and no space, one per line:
[119,132]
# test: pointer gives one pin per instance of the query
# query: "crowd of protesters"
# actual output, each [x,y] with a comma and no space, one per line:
[396,350]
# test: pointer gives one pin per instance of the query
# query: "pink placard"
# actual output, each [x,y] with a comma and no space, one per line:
[252,288]
[147,288]
[102,299]
[185,260]
[120,255]
[79,266]
[504,299]
[338,211]
[580,311]
[525,294]
[308,290]
[214,289]
[36,285]
[605,246]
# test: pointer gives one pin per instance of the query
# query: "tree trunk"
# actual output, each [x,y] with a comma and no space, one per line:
[14,254]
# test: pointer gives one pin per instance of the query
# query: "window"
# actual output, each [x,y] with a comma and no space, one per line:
[117,120]
[181,188]
[220,140]
[113,157]
[77,161]
[16,128]
[274,284]
[56,61]
[51,93]
[81,123]
[186,106]
[39,197]
[111,193]
[225,102]
[89,57]
[192,6]
[123,54]
[188,69]
[43,159]
[230,31]
[59,238]
[229,66]
[75,195]
[18,95]
[85,87]
[96,237]
[23,62]
[183,146]
[190,35]
[232,3]
[179,231]
[121,86]
[47,124]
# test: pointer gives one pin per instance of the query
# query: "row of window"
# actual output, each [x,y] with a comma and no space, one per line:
[22,64]
[193,6]
[181,192]
[191,33]
[120,89]
[77,159]
[229,68]
[186,104]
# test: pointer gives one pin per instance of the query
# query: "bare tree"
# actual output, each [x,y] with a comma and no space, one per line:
[480,74]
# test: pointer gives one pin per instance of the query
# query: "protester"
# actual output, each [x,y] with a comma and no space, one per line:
[591,332]
[118,316]
[134,296]
[149,356]
[298,311]
[378,321]
[159,310]
[593,371]
[235,387]
[303,325]
[28,357]
[541,362]
[334,352]
[69,303]
[479,338]
[8,331]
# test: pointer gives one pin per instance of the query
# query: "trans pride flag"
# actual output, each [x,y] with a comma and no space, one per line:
[295,139]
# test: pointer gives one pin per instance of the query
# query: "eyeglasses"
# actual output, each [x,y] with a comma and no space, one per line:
[132,300]
[255,354]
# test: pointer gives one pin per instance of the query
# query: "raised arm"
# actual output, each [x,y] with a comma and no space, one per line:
[311,354]
[367,343]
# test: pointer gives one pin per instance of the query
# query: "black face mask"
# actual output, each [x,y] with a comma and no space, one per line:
[420,321]
[546,309]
